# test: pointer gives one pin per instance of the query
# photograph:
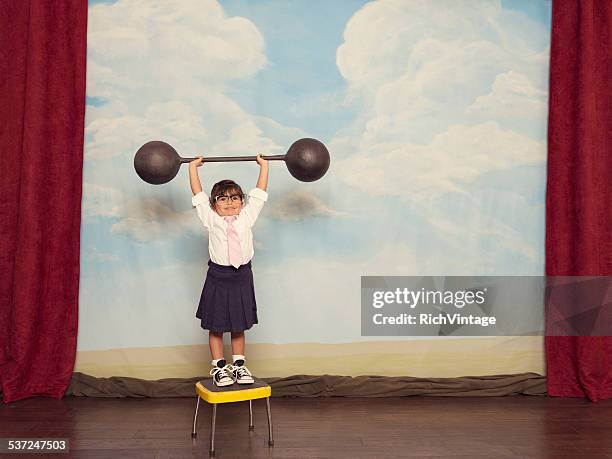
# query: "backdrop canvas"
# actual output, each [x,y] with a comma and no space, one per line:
[435,117]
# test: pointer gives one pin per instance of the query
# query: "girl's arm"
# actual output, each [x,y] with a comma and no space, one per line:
[194,179]
[199,199]
[258,195]
[262,181]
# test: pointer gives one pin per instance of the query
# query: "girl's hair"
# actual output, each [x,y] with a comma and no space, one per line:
[224,187]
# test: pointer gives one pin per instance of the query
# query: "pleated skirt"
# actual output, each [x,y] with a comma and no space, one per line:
[227,303]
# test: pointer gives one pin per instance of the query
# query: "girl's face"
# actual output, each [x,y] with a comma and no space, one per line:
[228,204]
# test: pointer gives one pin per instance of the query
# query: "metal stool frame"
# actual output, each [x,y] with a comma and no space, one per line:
[211,451]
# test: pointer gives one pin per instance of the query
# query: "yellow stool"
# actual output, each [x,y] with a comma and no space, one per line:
[207,391]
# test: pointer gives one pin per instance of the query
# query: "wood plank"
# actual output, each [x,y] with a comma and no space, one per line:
[429,427]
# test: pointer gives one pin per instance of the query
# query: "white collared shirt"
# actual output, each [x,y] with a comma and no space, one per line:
[217,226]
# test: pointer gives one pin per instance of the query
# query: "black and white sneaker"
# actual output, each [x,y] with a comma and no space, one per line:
[241,374]
[221,374]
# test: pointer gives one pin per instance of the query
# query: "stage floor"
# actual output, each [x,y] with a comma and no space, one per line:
[431,427]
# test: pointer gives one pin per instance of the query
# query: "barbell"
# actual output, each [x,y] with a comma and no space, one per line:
[156,162]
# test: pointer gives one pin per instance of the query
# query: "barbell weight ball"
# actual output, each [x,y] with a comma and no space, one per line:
[307,159]
[156,162]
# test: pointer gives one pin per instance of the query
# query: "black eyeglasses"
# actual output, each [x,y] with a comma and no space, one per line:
[225,198]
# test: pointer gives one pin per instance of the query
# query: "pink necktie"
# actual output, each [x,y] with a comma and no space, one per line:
[235,252]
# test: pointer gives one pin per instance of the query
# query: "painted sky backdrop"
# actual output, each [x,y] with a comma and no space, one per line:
[434,113]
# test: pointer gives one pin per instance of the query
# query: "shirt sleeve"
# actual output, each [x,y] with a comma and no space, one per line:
[201,203]
[256,201]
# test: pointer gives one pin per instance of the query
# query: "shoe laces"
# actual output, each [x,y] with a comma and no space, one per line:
[242,371]
[225,372]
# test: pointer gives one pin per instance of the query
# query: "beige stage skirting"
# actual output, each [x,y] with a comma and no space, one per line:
[323,386]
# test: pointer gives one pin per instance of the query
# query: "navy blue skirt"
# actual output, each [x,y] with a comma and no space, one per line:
[227,303]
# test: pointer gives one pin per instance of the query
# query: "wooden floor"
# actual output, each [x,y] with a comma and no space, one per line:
[429,427]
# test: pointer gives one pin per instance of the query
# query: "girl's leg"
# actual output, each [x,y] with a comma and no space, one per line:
[241,374]
[238,343]
[215,340]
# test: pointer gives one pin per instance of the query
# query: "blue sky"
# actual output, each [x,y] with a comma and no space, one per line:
[301,41]
[538,10]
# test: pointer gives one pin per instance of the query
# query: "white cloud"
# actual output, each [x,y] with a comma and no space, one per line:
[162,70]
[452,160]
[101,201]
[388,38]
[150,220]
[144,220]
[445,87]
[475,236]
[172,45]
[94,254]
[417,66]
[220,124]
[451,92]
[299,205]
[513,96]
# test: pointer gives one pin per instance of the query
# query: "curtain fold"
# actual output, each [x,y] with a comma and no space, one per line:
[42,68]
[579,183]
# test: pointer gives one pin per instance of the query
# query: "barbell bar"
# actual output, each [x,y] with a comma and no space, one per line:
[157,162]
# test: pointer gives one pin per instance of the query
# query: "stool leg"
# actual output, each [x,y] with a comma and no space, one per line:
[251,426]
[212,430]
[269,412]
[194,433]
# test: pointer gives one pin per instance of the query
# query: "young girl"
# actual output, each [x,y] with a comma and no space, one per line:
[228,302]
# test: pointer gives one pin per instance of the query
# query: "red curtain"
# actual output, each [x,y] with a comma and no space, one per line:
[579,185]
[42,68]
